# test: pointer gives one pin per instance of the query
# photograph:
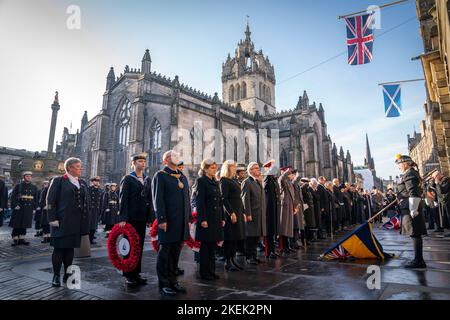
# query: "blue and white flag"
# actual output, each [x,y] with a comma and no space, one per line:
[392,100]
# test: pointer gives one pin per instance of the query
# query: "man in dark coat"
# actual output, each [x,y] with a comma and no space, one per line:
[442,191]
[171,203]
[95,203]
[324,205]
[288,208]
[273,205]
[3,199]
[134,209]
[411,206]
[308,206]
[252,195]
[340,206]
[24,201]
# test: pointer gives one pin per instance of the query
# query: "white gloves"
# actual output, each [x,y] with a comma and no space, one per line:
[54,223]
[17,208]
[414,206]
[107,210]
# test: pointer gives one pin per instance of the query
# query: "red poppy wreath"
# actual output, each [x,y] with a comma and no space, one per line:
[154,235]
[123,247]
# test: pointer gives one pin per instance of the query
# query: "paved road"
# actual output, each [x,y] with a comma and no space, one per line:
[25,273]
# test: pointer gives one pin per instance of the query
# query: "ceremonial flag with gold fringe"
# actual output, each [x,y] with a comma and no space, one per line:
[361,243]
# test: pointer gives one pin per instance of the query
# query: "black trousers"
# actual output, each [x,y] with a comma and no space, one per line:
[140,227]
[62,256]
[229,249]
[207,258]
[37,225]
[46,229]
[91,235]
[16,232]
[269,242]
[251,244]
[166,264]
[108,227]
[418,248]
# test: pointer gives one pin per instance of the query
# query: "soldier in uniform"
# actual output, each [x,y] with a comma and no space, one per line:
[44,214]
[24,201]
[3,199]
[95,202]
[273,208]
[110,208]
[134,208]
[38,214]
[411,206]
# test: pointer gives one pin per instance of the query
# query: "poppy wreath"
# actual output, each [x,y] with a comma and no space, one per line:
[192,243]
[154,235]
[129,263]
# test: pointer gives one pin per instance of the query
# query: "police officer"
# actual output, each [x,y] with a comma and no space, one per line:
[95,201]
[411,206]
[110,208]
[24,201]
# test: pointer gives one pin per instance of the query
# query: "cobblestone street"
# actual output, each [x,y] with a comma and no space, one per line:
[26,273]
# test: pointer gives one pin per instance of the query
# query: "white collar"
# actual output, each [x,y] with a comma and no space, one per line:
[73,180]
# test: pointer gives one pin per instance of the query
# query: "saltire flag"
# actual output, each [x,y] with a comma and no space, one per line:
[361,243]
[392,100]
[359,39]
[393,223]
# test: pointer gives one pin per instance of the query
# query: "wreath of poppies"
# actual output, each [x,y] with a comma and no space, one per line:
[129,262]
[191,243]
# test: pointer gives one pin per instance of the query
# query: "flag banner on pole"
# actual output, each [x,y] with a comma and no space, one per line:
[393,223]
[359,39]
[392,100]
[361,244]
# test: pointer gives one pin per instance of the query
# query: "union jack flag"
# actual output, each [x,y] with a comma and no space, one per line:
[359,39]
[393,223]
[337,253]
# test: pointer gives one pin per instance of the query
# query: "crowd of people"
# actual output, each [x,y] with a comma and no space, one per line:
[253,211]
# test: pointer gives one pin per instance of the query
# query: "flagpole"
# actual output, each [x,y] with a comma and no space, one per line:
[401,81]
[382,6]
[381,211]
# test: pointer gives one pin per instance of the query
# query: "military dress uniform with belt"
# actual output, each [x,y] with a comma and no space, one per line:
[95,202]
[409,192]
[110,209]
[24,201]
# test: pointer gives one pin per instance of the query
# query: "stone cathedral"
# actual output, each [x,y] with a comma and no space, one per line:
[141,110]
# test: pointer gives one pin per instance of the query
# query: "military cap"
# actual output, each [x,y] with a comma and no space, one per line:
[139,156]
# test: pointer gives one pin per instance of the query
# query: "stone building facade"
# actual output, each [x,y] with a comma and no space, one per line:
[434,22]
[144,111]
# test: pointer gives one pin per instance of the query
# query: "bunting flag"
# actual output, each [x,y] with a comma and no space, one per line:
[361,243]
[359,39]
[392,100]
[393,223]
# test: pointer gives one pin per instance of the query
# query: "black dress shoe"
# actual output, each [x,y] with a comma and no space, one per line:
[258,260]
[237,265]
[140,280]
[416,264]
[206,277]
[179,272]
[166,291]
[131,282]
[56,282]
[23,242]
[251,261]
[15,243]
[179,288]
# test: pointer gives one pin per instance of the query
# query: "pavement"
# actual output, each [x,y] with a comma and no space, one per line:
[26,274]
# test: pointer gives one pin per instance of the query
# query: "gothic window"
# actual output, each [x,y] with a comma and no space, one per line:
[311,148]
[235,150]
[266,109]
[269,96]
[264,93]
[244,90]
[155,144]
[124,123]
[260,90]
[238,92]
[283,158]
[247,151]
[231,93]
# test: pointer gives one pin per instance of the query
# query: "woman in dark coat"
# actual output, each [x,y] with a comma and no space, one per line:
[411,205]
[308,206]
[68,215]
[234,229]
[110,208]
[210,218]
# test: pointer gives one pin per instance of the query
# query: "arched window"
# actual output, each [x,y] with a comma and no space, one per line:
[264,93]
[269,96]
[124,123]
[244,90]
[231,93]
[260,90]
[155,146]
[238,91]
[122,140]
[283,158]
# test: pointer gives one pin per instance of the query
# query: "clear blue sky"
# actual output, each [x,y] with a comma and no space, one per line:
[192,39]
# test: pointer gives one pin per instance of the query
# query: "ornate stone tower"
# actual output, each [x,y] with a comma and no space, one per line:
[249,78]
[51,136]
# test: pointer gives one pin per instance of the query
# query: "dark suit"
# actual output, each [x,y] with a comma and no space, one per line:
[172,206]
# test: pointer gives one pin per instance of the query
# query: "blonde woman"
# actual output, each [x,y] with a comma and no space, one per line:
[234,213]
